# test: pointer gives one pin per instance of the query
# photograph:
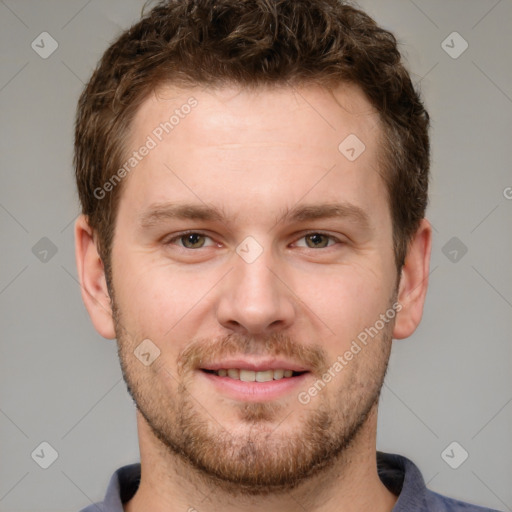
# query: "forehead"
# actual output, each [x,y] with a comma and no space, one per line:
[256,112]
[267,145]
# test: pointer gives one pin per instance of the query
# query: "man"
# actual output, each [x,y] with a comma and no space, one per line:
[253,177]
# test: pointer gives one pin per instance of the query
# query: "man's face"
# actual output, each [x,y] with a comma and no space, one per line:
[287,260]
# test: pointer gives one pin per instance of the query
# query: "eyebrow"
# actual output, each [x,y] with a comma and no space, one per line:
[329,210]
[170,211]
[161,212]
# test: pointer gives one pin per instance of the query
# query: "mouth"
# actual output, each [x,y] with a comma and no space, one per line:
[254,376]
[244,380]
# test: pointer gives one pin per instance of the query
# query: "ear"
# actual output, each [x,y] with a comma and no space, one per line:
[91,275]
[414,282]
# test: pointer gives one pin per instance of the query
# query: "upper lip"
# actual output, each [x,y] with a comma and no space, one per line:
[257,366]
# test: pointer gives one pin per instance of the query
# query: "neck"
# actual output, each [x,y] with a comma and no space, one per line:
[169,484]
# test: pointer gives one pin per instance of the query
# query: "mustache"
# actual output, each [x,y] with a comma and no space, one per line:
[203,351]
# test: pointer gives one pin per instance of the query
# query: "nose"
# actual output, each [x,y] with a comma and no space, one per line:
[256,298]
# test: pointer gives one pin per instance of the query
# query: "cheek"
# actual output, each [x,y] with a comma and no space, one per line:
[346,300]
[156,298]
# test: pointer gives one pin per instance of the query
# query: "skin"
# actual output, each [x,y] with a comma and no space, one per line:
[253,156]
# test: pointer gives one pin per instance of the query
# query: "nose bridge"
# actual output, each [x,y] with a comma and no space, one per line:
[254,299]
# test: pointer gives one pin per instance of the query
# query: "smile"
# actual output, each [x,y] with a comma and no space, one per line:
[254,376]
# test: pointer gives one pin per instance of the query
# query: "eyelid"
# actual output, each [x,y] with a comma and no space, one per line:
[178,236]
[319,232]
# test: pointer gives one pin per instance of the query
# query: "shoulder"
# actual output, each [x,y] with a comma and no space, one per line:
[121,488]
[442,503]
[404,479]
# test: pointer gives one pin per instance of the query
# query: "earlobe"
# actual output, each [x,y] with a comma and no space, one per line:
[91,274]
[414,282]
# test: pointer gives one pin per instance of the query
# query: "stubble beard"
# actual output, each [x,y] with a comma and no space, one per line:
[265,458]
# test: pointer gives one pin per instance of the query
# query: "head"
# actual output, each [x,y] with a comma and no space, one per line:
[253,178]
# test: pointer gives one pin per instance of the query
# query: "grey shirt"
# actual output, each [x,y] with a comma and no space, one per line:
[397,473]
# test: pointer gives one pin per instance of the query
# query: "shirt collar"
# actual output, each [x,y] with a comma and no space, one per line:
[397,473]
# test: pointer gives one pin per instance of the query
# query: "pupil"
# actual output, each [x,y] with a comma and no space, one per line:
[192,239]
[316,239]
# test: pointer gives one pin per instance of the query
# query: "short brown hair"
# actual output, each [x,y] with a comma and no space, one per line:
[252,43]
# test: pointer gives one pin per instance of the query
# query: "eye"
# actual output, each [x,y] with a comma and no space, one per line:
[190,240]
[317,240]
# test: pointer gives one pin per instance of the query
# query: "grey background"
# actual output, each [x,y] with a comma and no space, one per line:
[451,381]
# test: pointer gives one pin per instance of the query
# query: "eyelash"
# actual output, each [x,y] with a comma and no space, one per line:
[191,232]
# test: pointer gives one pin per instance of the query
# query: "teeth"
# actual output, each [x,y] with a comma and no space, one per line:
[247,375]
[265,376]
[234,373]
[278,374]
[252,376]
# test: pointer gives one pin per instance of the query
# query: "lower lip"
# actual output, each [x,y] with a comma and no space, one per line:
[255,391]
